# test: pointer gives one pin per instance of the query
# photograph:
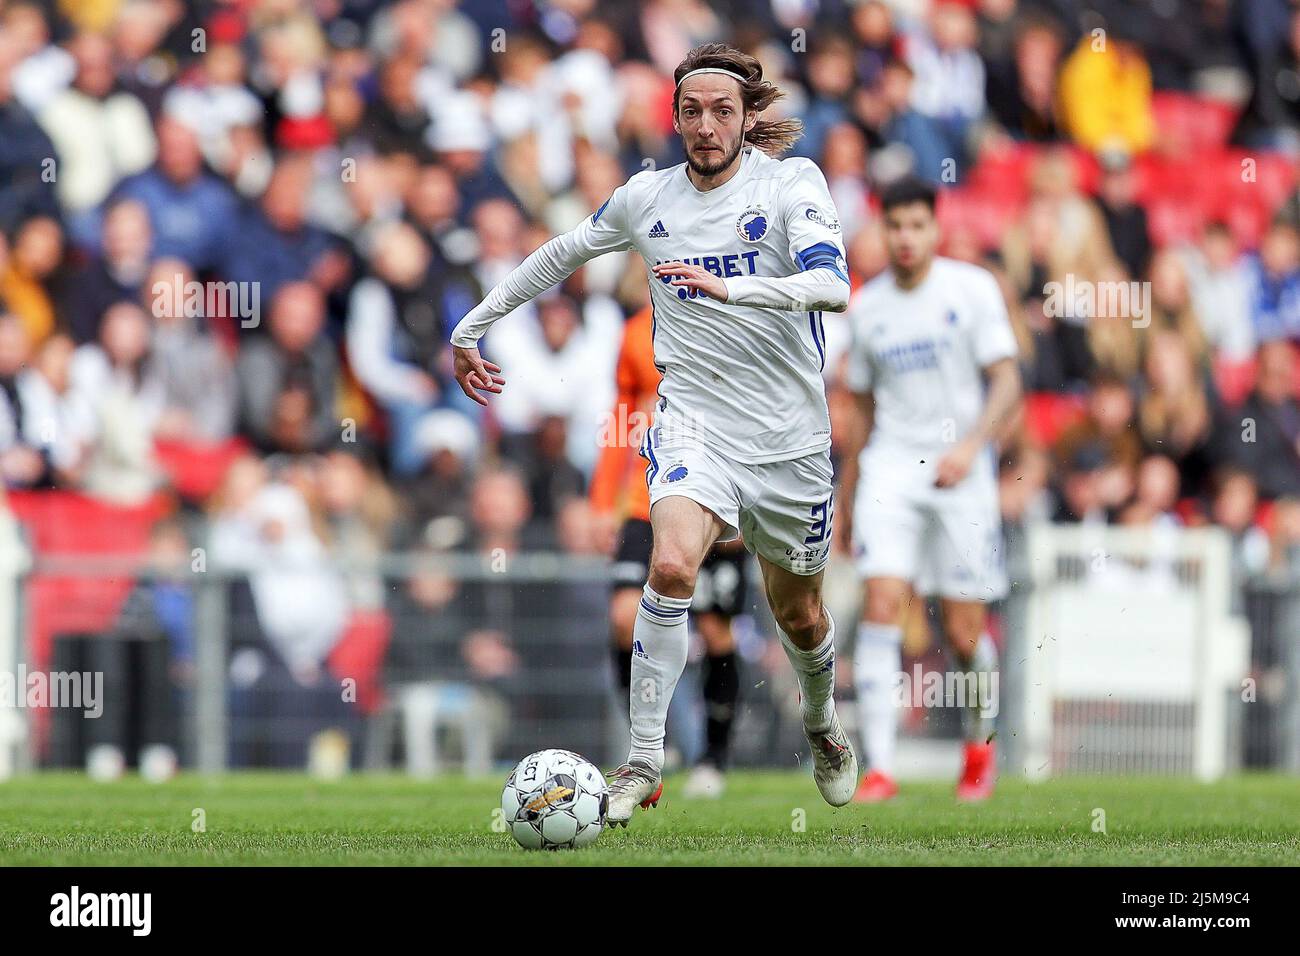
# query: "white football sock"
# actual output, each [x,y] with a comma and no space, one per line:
[659,643]
[816,672]
[976,716]
[877,661]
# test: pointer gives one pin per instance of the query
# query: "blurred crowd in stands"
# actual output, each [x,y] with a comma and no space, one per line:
[235,236]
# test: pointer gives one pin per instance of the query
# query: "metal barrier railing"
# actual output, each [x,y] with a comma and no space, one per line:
[557,688]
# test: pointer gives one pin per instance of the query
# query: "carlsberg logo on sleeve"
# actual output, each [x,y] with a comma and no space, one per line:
[131,910]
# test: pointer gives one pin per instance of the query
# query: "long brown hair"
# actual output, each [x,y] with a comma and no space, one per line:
[773,137]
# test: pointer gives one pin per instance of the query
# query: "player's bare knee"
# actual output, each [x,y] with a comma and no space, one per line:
[801,621]
[882,611]
[673,575]
[882,606]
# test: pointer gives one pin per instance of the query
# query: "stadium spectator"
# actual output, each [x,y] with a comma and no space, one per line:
[872,23]
[1155,493]
[1265,434]
[460,137]
[831,81]
[1175,416]
[45,422]
[100,132]
[1220,286]
[25,186]
[1126,220]
[190,210]
[194,372]
[1108,424]
[148,656]
[1171,306]
[43,68]
[29,283]
[949,72]
[22,460]
[1233,507]
[272,243]
[1272,117]
[117,274]
[1105,92]
[358,511]
[398,119]
[1275,284]
[288,380]
[283,695]
[399,319]
[1022,81]
[845,166]
[437,496]
[928,143]
[117,380]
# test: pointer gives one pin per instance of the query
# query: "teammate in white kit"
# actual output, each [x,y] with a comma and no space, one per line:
[744,252]
[933,366]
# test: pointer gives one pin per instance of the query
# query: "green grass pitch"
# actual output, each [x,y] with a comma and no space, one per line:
[765,819]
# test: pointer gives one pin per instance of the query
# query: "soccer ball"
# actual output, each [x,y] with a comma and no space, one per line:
[555,799]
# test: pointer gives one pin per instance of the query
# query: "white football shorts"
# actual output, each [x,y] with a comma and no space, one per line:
[784,509]
[945,541]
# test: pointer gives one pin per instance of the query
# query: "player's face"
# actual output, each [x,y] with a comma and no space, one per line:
[712,121]
[911,235]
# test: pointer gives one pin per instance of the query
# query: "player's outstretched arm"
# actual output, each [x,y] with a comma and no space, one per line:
[552,263]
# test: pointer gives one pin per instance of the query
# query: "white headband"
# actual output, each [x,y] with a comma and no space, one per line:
[712,69]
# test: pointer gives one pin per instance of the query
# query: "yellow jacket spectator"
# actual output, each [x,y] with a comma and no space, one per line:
[1105,93]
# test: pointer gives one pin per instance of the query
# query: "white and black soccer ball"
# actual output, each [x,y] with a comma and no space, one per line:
[555,799]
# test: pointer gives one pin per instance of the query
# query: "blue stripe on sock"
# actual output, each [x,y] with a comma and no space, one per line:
[672,615]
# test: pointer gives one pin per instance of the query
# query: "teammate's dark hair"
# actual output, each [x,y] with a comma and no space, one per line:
[905,191]
[773,137]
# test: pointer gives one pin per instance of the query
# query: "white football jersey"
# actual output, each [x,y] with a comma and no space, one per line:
[746,380]
[921,353]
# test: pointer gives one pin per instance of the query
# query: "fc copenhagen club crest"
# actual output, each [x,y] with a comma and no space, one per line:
[752,224]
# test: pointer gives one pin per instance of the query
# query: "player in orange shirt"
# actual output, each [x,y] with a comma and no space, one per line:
[619,492]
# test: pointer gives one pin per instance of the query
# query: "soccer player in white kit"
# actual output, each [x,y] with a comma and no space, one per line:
[744,254]
[933,367]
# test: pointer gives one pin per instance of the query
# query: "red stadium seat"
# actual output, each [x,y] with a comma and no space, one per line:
[196,469]
[1233,380]
[65,523]
[1192,124]
[969,210]
[1003,174]
[1048,414]
[1265,513]
[1171,221]
[359,656]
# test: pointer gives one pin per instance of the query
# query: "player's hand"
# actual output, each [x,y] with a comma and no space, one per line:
[696,278]
[474,374]
[955,466]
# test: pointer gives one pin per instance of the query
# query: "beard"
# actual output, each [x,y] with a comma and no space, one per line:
[717,163]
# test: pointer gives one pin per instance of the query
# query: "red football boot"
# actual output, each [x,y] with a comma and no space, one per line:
[978,774]
[876,787]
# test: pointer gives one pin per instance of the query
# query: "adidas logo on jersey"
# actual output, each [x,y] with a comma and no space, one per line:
[658,231]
